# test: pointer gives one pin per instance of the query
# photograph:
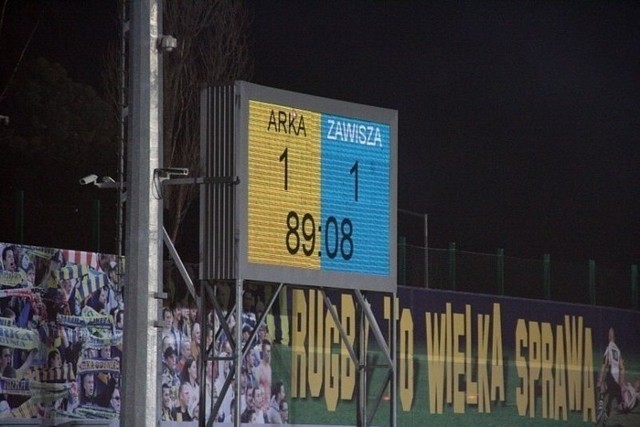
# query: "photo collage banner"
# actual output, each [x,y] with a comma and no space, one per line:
[61,320]
[463,359]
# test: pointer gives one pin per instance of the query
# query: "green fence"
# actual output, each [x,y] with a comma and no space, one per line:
[498,274]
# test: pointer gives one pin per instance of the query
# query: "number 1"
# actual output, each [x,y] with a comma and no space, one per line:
[354,171]
[284,156]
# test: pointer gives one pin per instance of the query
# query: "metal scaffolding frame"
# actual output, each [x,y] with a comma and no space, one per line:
[220,263]
[358,352]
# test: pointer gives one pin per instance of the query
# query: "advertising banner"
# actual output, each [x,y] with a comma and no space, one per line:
[466,359]
[462,359]
[61,319]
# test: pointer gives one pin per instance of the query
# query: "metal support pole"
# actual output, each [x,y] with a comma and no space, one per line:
[95,225]
[452,266]
[373,324]
[402,260]
[500,273]
[19,216]
[361,369]
[402,245]
[341,331]
[393,350]
[592,282]
[179,264]
[547,276]
[238,352]
[359,353]
[124,113]
[140,368]
[201,303]
[426,251]
[634,286]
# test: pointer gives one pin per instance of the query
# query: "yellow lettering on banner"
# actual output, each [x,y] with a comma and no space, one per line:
[472,387]
[458,363]
[497,361]
[436,356]
[573,339]
[331,363]
[449,348]
[484,402]
[521,367]
[387,311]
[348,367]
[562,366]
[405,374]
[298,352]
[316,338]
[405,377]
[561,372]
[589,391]
[547,370]
[535,363]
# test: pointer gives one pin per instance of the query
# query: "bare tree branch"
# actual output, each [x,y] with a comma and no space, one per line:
[4,8]
[212,48]
[22,52]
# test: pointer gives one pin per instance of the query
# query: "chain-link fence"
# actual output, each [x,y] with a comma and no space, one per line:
[462,271]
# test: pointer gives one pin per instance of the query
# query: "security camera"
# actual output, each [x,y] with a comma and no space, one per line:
[4,120]
[167,43]
[89,179]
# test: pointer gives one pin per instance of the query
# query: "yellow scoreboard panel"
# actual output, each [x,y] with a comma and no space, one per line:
[284,167]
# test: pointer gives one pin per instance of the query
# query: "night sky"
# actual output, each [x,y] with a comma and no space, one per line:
[518,121]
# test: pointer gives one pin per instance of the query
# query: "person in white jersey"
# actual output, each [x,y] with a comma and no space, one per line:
[629,391]
[609,381]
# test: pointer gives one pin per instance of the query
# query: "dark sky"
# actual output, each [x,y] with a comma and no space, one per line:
[519,122]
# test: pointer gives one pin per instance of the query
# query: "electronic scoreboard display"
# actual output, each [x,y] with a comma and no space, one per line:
[317,195]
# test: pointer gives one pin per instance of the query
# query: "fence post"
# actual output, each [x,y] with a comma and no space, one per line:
[634,286]
[426,251]
[402,260]
[95,224]
[592,282]
[19,217]
[546,281]
[452,266]
[500,255]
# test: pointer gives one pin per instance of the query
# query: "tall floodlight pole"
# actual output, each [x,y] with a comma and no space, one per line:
[144,218]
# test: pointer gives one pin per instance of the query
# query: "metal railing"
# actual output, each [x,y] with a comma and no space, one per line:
[497,274]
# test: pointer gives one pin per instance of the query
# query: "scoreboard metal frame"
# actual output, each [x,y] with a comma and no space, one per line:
[316,202]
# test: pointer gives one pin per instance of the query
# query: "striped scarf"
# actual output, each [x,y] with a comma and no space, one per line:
[81,257]
[90,283]
[42,374]
[24,339]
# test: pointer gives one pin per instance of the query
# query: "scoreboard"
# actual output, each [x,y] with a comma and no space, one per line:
[317,194]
